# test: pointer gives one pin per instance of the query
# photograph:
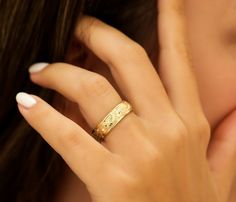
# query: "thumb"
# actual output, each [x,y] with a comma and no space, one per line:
[222,155]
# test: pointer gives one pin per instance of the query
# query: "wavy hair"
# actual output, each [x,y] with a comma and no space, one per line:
[41,30]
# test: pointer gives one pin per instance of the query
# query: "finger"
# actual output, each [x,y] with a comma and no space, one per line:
[129,65]
[175,62]
[91,91]
[83,154]
[94,94]
[222,154]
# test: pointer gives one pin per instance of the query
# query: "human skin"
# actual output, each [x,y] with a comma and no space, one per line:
[209,54]
[212,33]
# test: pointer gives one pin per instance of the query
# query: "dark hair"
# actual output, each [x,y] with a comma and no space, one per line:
[36,31]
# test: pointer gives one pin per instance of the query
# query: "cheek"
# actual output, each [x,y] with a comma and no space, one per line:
[216,75]
[209,24]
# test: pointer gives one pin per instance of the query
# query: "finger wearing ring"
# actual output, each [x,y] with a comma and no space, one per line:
[93,93]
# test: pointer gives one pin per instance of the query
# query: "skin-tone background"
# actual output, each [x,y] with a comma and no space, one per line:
[212,33]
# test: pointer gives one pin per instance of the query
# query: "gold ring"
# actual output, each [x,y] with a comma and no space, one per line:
[111,120]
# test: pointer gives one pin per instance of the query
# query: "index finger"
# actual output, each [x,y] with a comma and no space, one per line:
[85,156]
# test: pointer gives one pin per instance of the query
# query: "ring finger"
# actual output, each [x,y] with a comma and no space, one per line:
[129,64]
[95,96]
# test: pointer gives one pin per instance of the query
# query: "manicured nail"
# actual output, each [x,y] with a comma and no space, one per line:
[25,100]
[37,67]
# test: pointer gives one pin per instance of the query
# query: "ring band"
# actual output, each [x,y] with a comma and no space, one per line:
[111,120]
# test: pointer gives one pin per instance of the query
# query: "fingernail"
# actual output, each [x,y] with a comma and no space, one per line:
[25,100]
[37,67]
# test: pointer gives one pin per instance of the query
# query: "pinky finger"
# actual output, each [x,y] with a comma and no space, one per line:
[82,153]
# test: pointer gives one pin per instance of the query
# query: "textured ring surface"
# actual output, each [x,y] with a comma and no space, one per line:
[111,120]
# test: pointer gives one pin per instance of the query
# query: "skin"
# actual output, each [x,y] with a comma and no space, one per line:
[211,163]
[212,32]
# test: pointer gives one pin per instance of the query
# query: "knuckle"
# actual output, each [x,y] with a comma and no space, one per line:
[95,86]
[124,183]
[69,137]
[152,157]
[203,130]
[179,129]
[179,136]
[177,10]
[131,50]
[134,48]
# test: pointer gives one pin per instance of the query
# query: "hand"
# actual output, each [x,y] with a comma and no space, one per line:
[159,151]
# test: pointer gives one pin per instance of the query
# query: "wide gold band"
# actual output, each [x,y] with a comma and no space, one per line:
[111,120]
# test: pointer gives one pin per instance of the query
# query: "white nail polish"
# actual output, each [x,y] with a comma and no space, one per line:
[37,67]
[25,100]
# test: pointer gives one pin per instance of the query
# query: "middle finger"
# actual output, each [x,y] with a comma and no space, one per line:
[129,64]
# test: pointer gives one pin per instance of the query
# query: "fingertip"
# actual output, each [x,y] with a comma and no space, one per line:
[25,100]
[37,67]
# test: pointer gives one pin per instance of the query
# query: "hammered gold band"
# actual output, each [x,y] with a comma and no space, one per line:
[111,120]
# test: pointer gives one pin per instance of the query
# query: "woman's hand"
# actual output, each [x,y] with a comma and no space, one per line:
[159,151]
